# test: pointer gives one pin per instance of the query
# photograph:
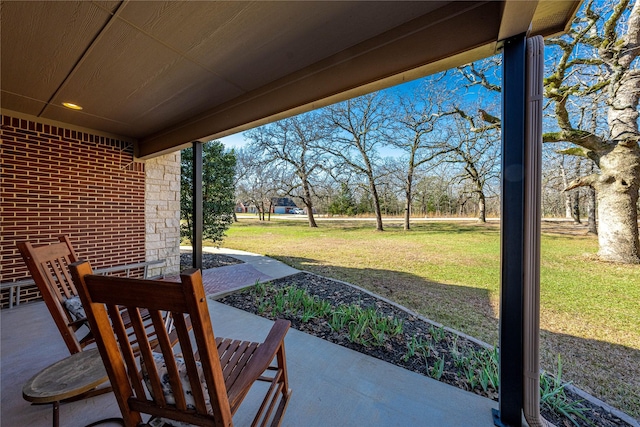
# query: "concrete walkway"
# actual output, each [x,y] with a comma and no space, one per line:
[332,385]
[223,280]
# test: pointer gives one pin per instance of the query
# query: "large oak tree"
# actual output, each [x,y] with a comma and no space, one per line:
[599,55]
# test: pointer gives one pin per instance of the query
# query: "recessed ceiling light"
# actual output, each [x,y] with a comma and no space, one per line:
[72,106]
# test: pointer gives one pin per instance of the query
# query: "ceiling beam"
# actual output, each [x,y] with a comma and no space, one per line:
[373,64]
[516,18]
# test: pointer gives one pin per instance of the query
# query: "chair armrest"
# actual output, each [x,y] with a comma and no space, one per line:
[78,322]
[260,361]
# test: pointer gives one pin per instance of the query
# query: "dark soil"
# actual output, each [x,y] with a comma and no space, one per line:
[395,349]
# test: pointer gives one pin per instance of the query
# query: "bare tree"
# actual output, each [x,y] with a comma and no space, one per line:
[590,113]
[474,142]
[434,192]
[359,126]
[243,166]
[259,183]
[571,197]
[294,142]
[391,184]
[554,181]
[416,116]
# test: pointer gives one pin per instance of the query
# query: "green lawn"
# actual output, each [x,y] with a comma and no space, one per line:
[450,273]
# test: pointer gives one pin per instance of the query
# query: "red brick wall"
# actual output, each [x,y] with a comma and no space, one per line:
[59,181]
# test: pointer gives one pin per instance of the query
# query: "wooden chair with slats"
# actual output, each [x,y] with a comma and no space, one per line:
[202,380]
[48,265]
[49,268]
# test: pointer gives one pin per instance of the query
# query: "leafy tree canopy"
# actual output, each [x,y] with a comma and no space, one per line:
[218,170]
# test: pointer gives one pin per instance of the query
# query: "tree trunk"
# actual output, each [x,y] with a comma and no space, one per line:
[408,195]
[591,197]
[619,182]
[309,204]
[575,207]
[376,204]
[567,206]
[312,220]
[591,219]
[482,214]
[568,212]
[617,197]
[407,213]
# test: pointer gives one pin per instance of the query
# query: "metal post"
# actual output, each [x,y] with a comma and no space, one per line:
[197,214]
[512,232]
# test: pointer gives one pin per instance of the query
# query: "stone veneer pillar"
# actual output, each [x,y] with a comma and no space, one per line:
[162,211]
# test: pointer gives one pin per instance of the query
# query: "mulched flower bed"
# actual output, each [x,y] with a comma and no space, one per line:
[443,345]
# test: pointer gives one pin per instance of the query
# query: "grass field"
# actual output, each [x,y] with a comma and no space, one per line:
[450,273]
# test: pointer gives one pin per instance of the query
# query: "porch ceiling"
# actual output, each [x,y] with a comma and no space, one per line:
[165,73]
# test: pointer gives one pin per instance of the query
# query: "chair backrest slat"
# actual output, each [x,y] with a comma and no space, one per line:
[58,276]
[164,344]
[206,346]
[122,334]
[190,365]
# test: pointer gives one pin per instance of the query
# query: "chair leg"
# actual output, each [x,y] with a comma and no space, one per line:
[278,393]
[282,407]
[286,391]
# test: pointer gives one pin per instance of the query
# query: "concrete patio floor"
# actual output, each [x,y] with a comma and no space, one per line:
[332,385]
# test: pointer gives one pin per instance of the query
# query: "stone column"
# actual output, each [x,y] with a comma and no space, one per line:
[162,211]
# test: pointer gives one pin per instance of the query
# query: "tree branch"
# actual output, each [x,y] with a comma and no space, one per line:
[575,151]
[582,152]
[585,181]
[579,137]
[612,22]
[478,77]
[584,61]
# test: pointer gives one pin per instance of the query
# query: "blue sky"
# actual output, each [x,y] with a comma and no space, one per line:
[233,141]
[238,140]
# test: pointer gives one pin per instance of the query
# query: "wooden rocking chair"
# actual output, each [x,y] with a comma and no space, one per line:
[49,268]
[202,380]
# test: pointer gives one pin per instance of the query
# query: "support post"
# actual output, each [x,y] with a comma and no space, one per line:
[512,232]
[197,214]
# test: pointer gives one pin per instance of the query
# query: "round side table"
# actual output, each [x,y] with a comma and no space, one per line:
[68,378]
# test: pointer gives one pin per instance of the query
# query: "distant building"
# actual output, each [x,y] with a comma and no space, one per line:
[246,207]
[282,205]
